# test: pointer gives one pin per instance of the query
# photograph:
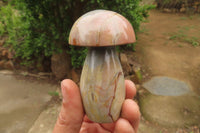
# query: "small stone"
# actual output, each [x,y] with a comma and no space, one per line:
[183,10]
[5,52]
[75,76]
[123,58]
[141,91]
[167,10]
[9,65]
[10,55]
[2,64]
[166,86]
[61,65]
[125,65]
[138,86]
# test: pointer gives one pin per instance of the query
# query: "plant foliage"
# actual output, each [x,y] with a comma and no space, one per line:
[38,28]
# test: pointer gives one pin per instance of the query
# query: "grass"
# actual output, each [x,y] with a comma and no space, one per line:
[186,18]
[182,36]
[166,42]
[152,39]
[53,93]
[173,37]
[183,18]
[180,45]
[192,40]
[144,30]
[187,28]
[146,20]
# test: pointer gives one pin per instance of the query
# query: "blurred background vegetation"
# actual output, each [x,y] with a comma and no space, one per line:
[35,30]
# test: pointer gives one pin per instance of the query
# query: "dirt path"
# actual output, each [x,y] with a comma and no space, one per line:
[168,46]
[22,99]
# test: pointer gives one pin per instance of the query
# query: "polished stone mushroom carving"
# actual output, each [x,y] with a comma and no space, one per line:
[102,83]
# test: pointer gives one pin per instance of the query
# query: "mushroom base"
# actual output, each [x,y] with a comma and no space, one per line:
[102,85]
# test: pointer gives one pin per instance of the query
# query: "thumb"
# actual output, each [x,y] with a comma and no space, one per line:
[71,114]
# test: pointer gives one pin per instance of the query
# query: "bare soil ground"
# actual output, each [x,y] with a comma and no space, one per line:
[169,45]
[22,99]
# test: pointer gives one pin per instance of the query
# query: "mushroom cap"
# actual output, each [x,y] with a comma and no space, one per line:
[101,28]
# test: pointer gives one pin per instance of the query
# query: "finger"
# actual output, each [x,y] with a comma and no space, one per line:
[130,112]
[123,126]
[107,126]
[71,114]
[92,128]
[86,119]
[130,89]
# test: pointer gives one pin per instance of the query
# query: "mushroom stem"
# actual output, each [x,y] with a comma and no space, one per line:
[102,85]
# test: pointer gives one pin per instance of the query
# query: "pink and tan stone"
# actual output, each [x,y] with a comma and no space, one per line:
[102,85]
[101,28]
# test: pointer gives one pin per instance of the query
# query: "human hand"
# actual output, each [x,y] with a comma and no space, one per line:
[73,120]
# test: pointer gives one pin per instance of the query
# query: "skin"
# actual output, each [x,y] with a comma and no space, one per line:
[72,118]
